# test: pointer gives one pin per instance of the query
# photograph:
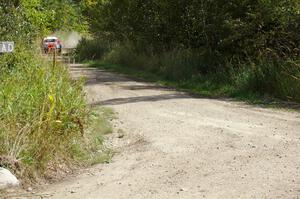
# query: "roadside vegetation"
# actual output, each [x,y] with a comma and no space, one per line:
[245,49]
[45,123]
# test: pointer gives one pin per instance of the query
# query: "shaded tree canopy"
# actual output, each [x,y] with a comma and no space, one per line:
[26,19]
[242,28]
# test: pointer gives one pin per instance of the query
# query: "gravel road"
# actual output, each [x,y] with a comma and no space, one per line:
[179,146]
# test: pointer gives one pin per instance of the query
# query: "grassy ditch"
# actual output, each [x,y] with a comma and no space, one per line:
[45,123]
[94,151]
[210,85]
[267,79]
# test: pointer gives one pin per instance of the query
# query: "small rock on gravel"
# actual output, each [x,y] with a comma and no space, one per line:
[7,179]
[29,189]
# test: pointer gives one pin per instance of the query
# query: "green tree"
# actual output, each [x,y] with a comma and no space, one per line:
[242,28]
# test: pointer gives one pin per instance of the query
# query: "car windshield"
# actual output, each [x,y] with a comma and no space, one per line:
[50,40]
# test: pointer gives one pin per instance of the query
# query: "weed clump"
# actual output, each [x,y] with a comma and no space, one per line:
[42,115]
[193,70]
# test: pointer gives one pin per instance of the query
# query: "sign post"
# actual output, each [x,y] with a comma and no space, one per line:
[7,46]
[54,58]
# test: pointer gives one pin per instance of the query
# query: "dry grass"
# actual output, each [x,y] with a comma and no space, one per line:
[43,116]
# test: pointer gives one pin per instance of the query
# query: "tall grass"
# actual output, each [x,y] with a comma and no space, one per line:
[43,114]
[202,72]
[88,49]
[280,79]
[206,72]
[174,65]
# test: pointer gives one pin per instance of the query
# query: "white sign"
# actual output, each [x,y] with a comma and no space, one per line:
[7,46]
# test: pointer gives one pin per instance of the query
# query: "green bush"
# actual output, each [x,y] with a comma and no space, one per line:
[280,79]
[221,29]
[252,46]
[91,49]
[177,64]
[266,77]
[43,114]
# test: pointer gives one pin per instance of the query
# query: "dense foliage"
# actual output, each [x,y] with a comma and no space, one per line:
[42,115]
[42,110]
[228,36]
[27,19]
[231,27]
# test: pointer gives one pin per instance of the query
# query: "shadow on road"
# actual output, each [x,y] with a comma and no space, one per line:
[96,76]
[147,87]
[152,98]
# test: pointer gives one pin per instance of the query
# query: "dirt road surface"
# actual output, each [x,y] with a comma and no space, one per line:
[179,146]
